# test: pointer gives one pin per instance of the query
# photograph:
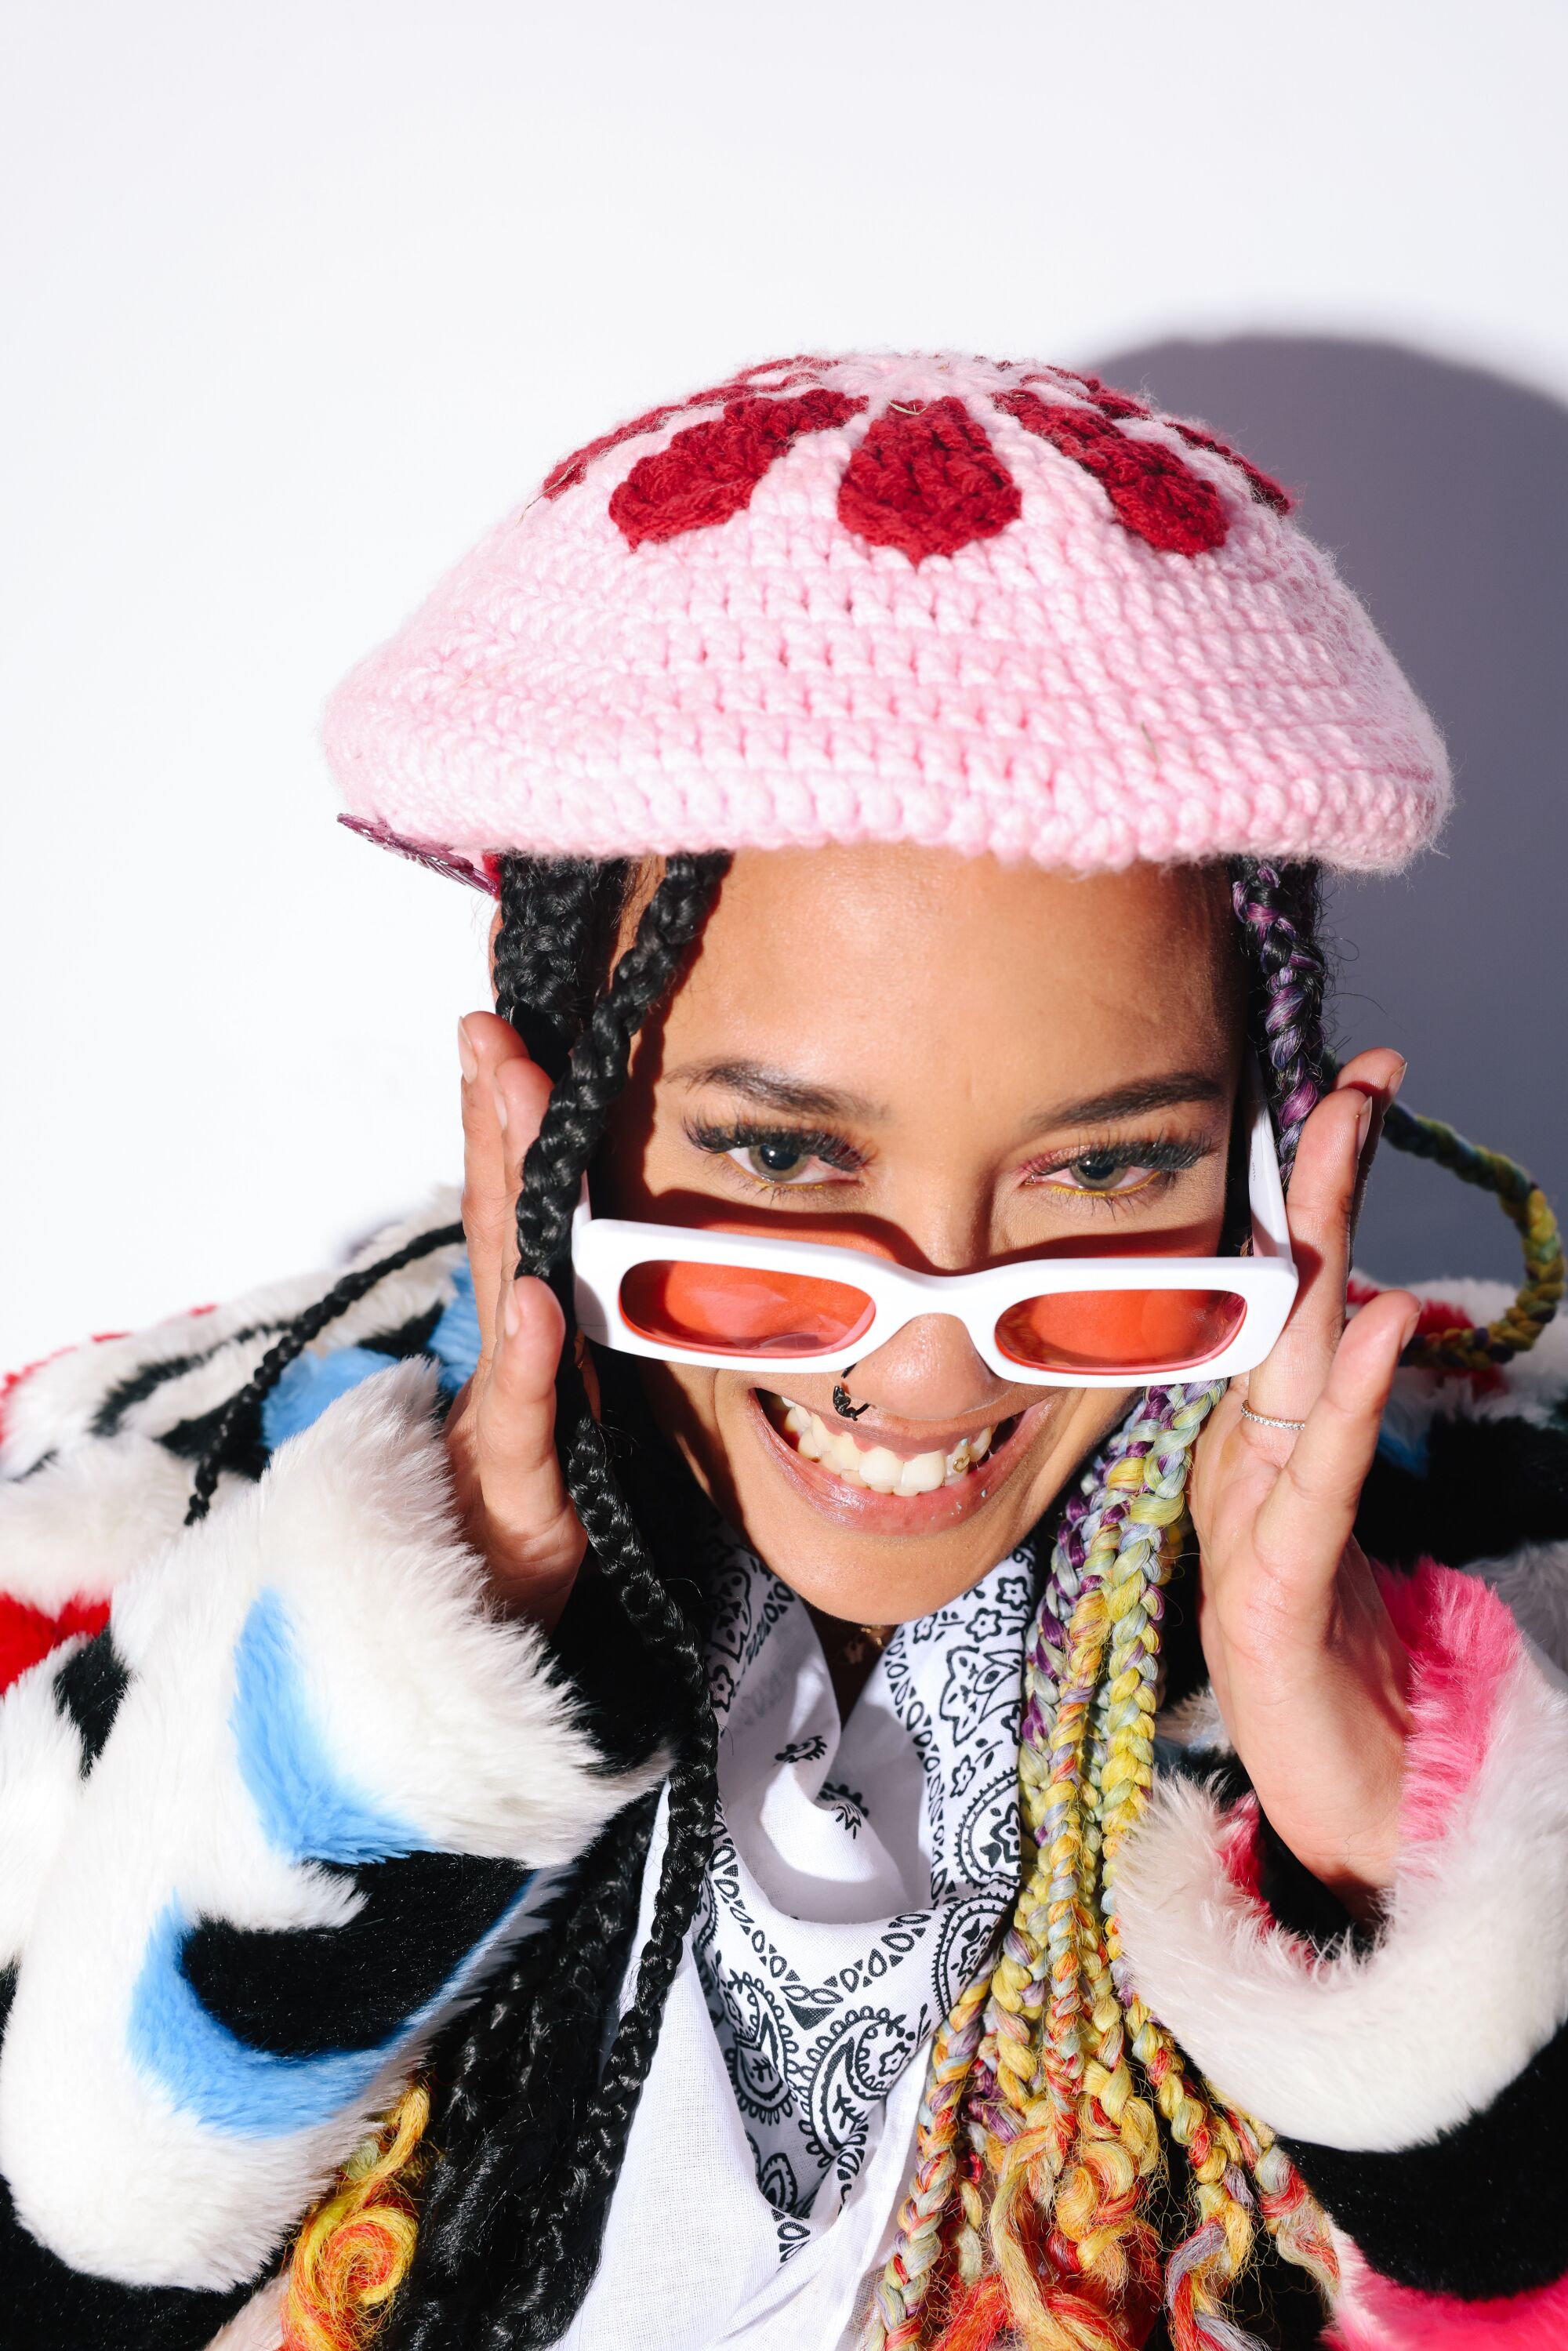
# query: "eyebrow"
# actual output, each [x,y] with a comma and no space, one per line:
[777,1089]
[1133,1101]
[773,1089]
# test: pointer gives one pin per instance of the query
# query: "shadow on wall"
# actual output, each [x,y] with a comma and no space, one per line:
[1443,493]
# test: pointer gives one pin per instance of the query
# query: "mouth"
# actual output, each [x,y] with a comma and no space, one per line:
[893,1486]
[878,1467]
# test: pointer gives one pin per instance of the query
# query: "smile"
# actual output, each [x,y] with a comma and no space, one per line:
[878,1468]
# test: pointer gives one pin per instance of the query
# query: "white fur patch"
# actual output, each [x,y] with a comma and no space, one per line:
[1469,1978]
[40,1789]
[439,1710]
[82,1523]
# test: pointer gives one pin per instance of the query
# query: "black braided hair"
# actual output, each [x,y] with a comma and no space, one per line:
[529,2128]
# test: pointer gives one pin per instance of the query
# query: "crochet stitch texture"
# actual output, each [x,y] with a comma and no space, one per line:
[973,604]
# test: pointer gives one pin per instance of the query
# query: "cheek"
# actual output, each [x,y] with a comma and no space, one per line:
[685,1406]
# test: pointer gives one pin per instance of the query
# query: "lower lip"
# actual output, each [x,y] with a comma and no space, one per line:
[899,1514]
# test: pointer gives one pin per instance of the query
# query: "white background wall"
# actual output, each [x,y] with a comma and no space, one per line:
[297,297]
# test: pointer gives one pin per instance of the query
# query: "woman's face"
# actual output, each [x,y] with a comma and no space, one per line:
[949,1063]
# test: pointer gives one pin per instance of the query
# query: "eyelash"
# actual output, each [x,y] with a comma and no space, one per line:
[1160,1158]
[814,1143]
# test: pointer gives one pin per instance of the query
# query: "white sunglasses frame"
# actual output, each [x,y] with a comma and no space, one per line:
[605,1248]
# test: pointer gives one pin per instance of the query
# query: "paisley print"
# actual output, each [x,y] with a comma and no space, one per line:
[848,1899]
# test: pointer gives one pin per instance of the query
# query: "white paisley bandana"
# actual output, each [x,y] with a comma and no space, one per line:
[859,1871]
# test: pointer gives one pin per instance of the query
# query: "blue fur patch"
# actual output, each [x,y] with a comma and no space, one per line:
[311,1383]
[308,1810]
[454,1342]
[310,1813]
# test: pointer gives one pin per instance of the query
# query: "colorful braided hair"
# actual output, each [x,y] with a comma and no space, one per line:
[1059,2115]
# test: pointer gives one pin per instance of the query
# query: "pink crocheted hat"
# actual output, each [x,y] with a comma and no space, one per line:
[977,605]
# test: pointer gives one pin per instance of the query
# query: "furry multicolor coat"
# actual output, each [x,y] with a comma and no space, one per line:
[273,1788]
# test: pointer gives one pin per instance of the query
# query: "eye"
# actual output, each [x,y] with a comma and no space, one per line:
[784,1157]
[1113,1171]
[1101,1171]
[781,1159]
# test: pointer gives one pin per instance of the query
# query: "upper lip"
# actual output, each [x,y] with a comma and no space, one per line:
[908,1438]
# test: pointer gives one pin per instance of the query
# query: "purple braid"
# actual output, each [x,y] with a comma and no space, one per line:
[1278,908]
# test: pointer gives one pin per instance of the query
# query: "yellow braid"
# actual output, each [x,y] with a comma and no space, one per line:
[1525,1205]
[354,2250]
[1061,2089]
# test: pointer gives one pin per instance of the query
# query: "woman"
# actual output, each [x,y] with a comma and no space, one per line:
[789,1736]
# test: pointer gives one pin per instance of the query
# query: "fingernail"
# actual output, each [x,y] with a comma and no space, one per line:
[467,1060]
[512,1311]
[500,1099]
[1363,1122]
[1398,1079]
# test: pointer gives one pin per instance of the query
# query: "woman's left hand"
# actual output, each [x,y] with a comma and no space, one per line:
[1308,1670]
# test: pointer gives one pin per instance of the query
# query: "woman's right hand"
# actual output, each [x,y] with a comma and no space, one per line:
[500,1434]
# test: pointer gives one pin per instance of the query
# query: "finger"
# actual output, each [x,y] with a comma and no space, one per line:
[1380,1072]
[534,1539]
[1307,1518]
[1323,1188]
[486,1043]
[521,1094]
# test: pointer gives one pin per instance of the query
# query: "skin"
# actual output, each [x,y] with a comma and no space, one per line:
[892,1049]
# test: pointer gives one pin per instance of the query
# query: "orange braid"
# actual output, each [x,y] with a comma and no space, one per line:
[353,2251]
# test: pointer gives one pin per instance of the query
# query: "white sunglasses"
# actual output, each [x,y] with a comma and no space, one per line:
[745,1301]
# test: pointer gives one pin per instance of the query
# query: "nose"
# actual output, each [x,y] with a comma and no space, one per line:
[927,1371]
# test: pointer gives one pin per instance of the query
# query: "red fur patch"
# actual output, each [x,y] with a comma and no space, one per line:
[927,481]
[1239,1855]
[27,1633]
[709,471]
[1463,1644]
[1152,492]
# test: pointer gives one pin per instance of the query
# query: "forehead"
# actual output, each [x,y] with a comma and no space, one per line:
[908,964]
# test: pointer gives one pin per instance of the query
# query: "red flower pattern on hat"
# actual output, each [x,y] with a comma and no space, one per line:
[927,478]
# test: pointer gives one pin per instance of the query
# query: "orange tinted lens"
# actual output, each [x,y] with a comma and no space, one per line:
[735,1310]
[1132,1330]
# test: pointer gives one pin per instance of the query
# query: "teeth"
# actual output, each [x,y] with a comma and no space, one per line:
[877,1466]
[924,1473]
[881,1469]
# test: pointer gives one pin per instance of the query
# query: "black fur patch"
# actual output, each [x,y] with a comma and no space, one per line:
[1479,2211]
[412,1338]
[302,1991]
[87,1690]
[1489,1486]
[245,1448]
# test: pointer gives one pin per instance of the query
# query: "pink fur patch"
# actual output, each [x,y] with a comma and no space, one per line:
[1463,1644]
[1397,2316]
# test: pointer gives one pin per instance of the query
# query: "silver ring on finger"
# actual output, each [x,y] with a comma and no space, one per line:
[1267,1420]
